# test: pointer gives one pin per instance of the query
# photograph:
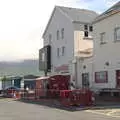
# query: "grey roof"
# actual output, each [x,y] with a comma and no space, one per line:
[79,15]
[114,9]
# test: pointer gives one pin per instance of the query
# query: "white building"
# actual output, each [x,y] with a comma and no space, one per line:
[106,61]
[69,34]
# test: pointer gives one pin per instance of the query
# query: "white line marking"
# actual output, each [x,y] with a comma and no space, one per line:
[108,114]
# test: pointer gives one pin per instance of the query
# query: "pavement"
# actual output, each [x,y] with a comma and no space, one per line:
[11,109]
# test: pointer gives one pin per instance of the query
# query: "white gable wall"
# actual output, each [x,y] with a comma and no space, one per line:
[59,21]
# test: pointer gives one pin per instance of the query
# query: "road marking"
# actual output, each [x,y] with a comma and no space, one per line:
[108,114]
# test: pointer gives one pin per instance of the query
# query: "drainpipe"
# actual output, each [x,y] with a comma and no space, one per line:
[76,74]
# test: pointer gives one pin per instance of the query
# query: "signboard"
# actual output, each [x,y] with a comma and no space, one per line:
[45,58]
[62,68]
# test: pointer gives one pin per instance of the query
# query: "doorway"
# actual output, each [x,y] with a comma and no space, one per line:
[85,80]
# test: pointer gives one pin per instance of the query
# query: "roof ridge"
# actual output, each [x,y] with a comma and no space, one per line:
[76,8]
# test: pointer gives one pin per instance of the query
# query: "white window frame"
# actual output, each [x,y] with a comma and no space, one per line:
[58,52]
[62,33]
[103,38]
[90,28]
[63,50]
[58,35]
[117,37]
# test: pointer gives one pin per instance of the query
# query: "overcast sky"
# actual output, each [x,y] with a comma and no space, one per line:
[22,23]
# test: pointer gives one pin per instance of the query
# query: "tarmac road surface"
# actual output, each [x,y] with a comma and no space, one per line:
[15,110]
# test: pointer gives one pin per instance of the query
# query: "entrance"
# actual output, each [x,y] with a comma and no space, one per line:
[118,78]
[85,80]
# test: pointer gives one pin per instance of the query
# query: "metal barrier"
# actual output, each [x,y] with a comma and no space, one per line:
[81,97]
[76,97]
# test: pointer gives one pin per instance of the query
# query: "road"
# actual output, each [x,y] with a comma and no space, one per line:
[15,110]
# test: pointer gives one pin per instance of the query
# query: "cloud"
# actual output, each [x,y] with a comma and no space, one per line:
[109,3]
[22,23]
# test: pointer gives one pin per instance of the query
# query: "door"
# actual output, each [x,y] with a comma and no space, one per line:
[117,78]
[85,80]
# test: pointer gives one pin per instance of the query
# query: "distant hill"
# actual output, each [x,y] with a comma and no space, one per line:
[20,68]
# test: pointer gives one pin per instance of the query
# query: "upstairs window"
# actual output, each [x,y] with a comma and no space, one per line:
[58,52]
[117,34]
[58,36]
[62,33]
[85,27]
[63,51]
[102,38]
[90,28]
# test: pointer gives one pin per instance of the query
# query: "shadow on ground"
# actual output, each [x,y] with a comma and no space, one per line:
[55,105]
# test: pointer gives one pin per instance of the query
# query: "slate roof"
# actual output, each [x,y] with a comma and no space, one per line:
[75,14]
[79,15]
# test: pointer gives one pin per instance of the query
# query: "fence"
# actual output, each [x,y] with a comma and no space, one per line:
[65,97]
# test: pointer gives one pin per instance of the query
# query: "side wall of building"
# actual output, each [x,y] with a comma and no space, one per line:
[58,22]
[106,56]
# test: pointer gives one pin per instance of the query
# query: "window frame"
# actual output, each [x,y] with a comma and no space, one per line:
[98,79]
[58,35]
[115,34]
[102,39]
[63,50]
[62,33]
[91,28]
[58,52]
[85,27]
[85,34]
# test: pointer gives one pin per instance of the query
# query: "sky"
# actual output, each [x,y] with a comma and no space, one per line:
[22,23]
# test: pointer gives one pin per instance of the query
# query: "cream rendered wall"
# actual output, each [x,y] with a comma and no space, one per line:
[59,21]
[88,62]
[80,43]
[108,52]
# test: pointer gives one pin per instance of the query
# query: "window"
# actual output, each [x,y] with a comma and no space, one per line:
[58,35]
[85,30]
[85,33]
[62,33]
[90,28]
[85,27]
[63,51]
[117,34]
[102,38]
[58,52]
[50,38]
[101,77]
